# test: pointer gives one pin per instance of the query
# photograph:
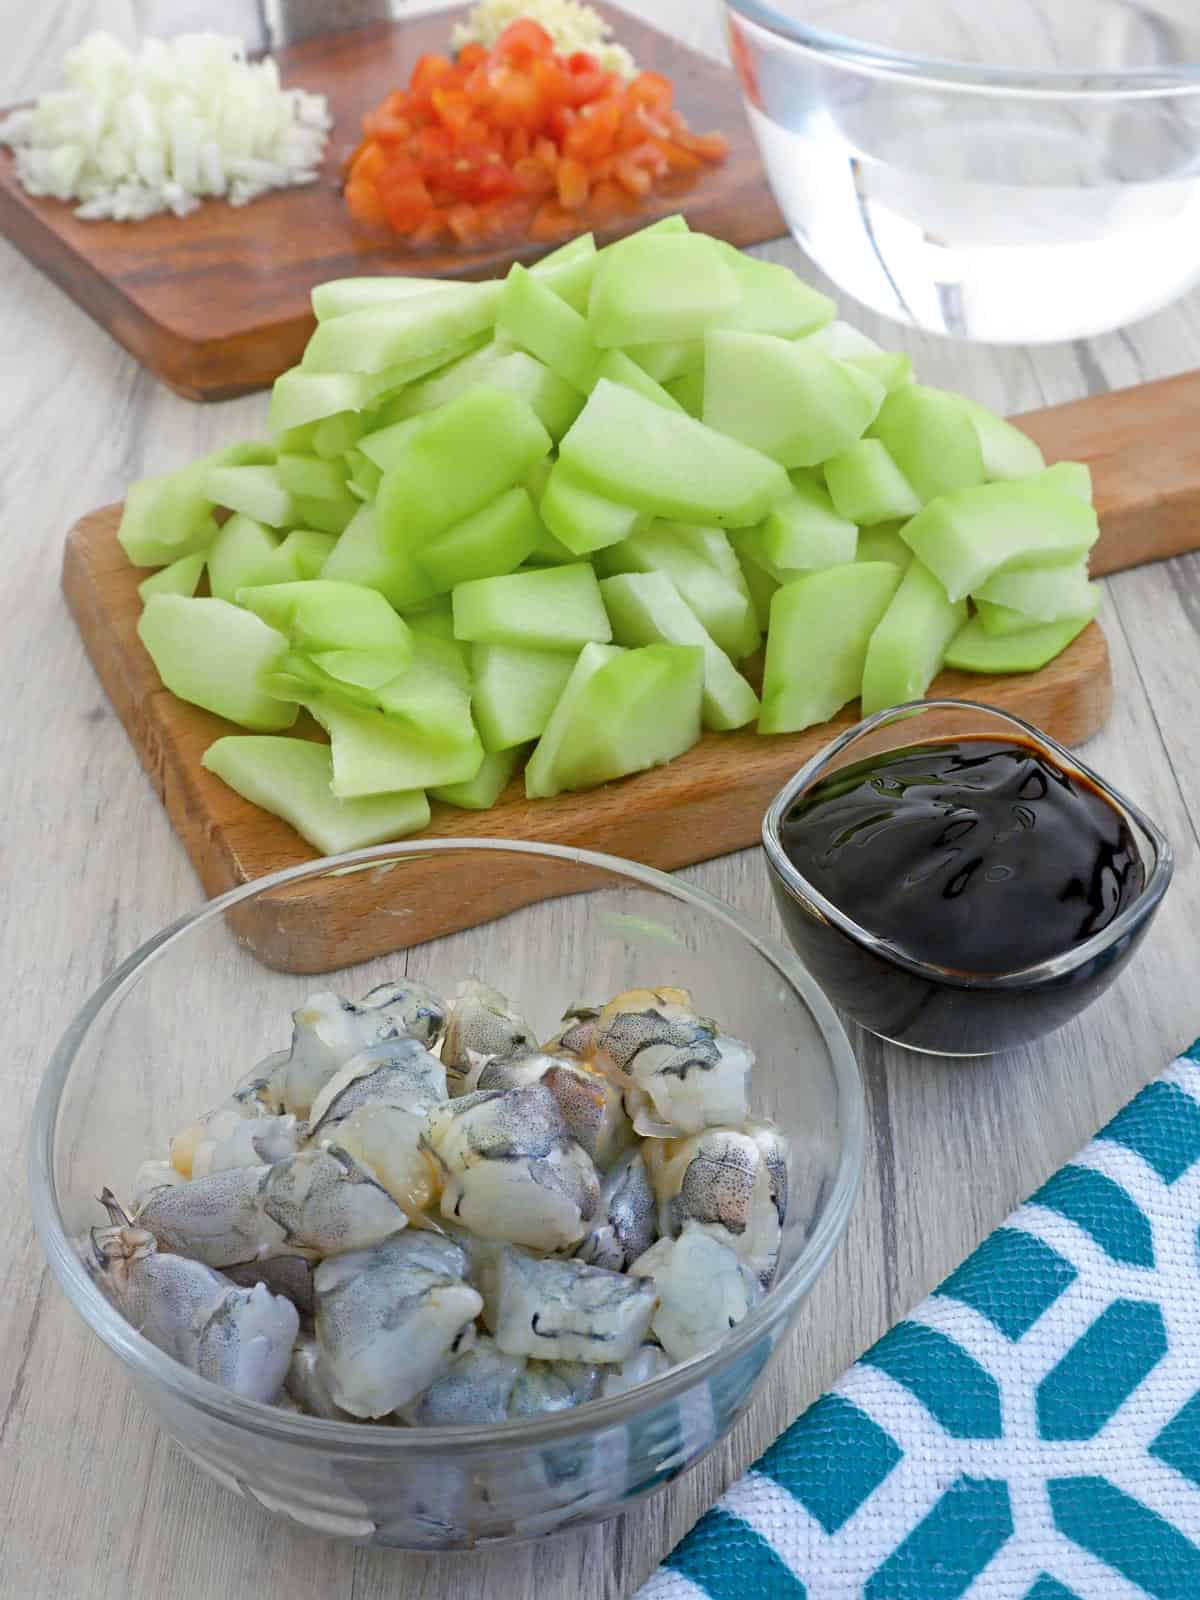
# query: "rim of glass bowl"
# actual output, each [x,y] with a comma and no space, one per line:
[1157,880]
[146,1360]
[1130,82]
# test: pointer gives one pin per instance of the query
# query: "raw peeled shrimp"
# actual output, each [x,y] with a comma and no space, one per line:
[224,1137]
[555,1386]
[507,1072]
[733,1180]
[390,1320]
[512,1171]
[679,1089]
[553,1169]
[703,1290]
[328,1031]
[647,1362]
[306,1382]
[477,1388]
[626,1223]
[327,1204]
[376,1108]
[251,1142]
[395,1072]
[579,1035]
[418,1011]
[591,1105]
[609,1036]
[563,1310]
[680,1074]
[239,1338]
[316,1203]
[592,1108]
[392,1145]
[630,1021]
[482,1025]
[151,1176]
[218,1220]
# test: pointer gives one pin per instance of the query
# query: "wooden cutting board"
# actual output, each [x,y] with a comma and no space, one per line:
[217,304]
[1144,448]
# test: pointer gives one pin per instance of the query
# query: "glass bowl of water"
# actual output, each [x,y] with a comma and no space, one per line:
[1022,172]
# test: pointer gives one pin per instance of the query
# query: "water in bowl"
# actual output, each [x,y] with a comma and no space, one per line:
[977,207]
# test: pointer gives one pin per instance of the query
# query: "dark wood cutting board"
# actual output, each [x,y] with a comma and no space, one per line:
[217,303]
[1143,445]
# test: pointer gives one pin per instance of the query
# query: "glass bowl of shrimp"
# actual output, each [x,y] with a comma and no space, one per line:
[482,1239]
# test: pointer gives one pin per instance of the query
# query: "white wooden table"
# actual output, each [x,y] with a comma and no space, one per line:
[93,1500]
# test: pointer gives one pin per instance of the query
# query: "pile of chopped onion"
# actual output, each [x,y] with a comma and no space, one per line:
[572,25]
[137,134]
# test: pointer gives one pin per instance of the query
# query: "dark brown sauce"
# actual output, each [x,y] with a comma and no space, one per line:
[977,855]
[975,858]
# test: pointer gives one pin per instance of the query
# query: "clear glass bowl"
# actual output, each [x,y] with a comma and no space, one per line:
[188,1013]
[1018,173]
[929,1008]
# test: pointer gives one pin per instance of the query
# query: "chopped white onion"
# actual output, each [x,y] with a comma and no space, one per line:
[133,135]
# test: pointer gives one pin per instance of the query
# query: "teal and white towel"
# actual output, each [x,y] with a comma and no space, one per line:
[1030,1432]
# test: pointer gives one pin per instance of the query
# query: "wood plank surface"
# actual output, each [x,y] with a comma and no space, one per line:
[217,303]
[706,803]
[1143,447]
[95,1503]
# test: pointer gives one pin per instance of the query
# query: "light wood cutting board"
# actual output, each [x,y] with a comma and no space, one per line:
[1144,448]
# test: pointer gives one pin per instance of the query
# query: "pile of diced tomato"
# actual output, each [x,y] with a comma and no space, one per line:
[519,138]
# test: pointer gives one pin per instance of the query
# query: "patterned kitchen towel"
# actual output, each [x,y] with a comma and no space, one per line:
[1030,1432]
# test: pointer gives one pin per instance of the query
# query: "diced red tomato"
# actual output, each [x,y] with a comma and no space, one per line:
[573,184]
[553,82]
[464,223]
[595,133]
[369,165]
[431,230]
[633,178]
[552,220]
[518,137]
[431,144]
[365,204]
[677,158]
[708,146]
[516,101]
[560,122]
[495,180]
[429,72]
[588,79]
[532,177]
[523,42]
[652,90]
[608,200]
[476,131]
[407,202]
[471,56]
[453,110]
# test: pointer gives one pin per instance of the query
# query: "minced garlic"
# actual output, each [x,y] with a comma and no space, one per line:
[571,25]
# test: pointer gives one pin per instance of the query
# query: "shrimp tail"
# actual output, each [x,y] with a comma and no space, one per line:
[117,1215]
